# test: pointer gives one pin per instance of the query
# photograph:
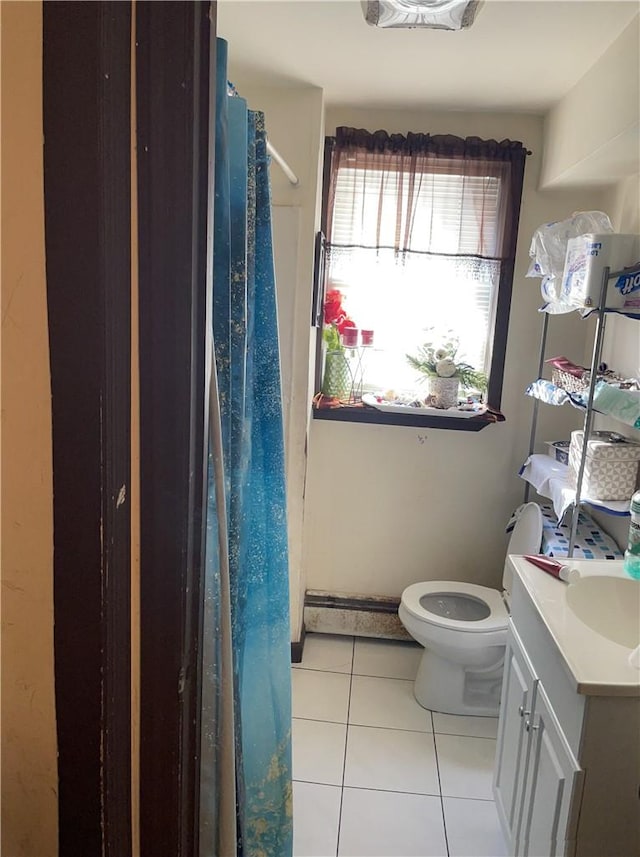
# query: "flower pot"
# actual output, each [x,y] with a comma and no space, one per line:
[336,381]
[444,391]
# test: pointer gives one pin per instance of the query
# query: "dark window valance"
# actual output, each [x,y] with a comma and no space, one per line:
[397,168]
[443,145]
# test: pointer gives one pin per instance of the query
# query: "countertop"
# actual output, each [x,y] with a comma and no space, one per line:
[598,665]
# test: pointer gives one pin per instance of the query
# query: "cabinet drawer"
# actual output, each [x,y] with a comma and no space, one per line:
[559,685]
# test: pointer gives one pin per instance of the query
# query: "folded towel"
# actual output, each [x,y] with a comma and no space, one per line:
[549,478]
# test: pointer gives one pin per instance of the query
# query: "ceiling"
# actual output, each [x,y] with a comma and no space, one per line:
[519,55]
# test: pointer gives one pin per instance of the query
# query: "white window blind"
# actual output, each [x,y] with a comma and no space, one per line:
[409,270]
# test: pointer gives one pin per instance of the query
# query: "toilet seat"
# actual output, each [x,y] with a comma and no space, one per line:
[495,621]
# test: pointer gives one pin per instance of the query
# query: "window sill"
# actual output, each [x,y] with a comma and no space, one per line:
[364,414]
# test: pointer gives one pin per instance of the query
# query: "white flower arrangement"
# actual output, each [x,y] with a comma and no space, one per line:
[432,362]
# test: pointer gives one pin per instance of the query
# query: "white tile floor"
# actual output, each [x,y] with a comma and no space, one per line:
[375,775]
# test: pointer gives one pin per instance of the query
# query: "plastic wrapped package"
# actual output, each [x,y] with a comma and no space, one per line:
[587,257]
[548,252]
[624,405]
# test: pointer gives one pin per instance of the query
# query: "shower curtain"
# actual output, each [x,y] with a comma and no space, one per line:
[246,652]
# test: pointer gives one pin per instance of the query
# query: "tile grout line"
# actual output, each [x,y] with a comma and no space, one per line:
[317,670]
[400,729]
[369,726]
[346,742]
[348,672]
[390,791]
[444,820]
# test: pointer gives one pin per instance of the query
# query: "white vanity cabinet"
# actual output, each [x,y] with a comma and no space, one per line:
[567,774]
[552,785]
[518,685]
[537,776]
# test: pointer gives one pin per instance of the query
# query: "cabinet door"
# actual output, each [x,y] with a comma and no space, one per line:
[518,688]
[552,780]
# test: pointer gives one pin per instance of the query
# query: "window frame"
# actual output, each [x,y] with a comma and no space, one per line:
[86,72]
[497,337]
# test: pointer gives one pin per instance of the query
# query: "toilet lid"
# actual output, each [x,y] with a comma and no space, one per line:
[451,604]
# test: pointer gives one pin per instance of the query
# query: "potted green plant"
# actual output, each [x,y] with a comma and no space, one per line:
[444,373]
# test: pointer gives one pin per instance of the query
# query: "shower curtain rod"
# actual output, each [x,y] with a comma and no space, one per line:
[277,157]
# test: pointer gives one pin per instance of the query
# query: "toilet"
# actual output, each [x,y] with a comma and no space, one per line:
[463,628]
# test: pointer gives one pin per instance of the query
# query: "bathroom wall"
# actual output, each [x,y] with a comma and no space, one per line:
[295,126]
[387,506]
[593,134]
[29,765]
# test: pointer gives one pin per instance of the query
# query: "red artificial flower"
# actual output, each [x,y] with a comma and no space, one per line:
[333,311]
[345,322]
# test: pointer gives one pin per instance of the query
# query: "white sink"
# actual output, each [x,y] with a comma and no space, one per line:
[610,606]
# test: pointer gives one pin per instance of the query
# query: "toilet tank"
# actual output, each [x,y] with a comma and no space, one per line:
[526,538]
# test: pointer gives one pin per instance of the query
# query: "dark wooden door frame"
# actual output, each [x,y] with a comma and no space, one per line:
[175,73]
[86,104]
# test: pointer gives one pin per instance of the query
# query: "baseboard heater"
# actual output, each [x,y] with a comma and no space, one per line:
[357,615]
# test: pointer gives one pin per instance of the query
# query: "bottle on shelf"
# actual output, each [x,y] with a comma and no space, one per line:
[632,553]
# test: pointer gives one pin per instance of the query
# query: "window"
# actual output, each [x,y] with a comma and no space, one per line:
[421,237]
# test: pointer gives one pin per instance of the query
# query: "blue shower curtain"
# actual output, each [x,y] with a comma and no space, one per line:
[247,513]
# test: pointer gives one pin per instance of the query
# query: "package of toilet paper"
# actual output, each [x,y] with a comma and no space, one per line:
[548,252]
[587,257]
[628,284]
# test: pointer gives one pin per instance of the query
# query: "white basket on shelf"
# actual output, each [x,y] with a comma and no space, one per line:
[610,468]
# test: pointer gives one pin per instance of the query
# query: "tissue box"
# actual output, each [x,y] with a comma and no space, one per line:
[587,257]
[611,465]
[559,449]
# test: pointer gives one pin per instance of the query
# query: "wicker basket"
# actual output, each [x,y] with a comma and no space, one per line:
[568,382]
[573,384]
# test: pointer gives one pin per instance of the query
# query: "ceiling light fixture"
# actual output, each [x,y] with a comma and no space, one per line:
[433,14]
